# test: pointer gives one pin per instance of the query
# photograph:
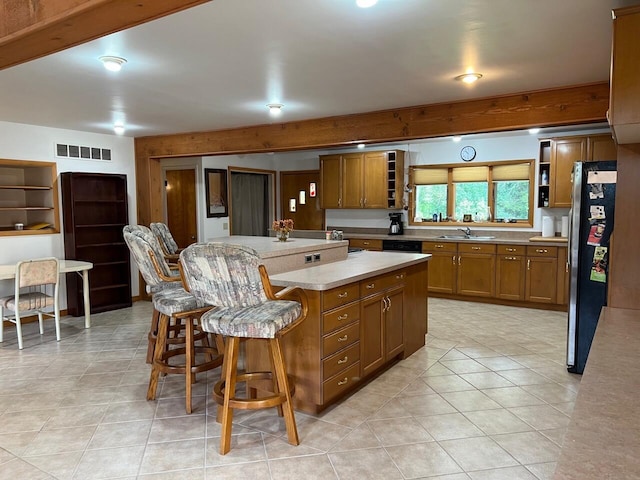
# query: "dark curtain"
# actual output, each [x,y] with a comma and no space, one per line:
[249,204]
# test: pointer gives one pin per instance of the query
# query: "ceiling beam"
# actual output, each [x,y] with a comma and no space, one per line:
[31,29]
[562,106]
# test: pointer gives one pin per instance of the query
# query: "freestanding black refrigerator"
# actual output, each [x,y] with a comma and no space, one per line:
[591,226]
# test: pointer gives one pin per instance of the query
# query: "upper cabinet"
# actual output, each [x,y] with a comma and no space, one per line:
[624,102]
[362,180]
[557,156]
[28,198]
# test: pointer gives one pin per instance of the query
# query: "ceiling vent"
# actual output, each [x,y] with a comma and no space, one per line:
[82,152]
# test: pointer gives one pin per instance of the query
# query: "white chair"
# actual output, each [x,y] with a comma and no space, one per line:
[36,289]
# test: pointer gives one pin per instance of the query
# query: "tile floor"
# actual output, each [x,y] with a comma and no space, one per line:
[488,398]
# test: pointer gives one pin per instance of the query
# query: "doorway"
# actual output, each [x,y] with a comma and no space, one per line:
[297,186]
[252,202]
[181,206]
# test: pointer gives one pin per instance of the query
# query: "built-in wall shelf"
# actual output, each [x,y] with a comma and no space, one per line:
[28,198]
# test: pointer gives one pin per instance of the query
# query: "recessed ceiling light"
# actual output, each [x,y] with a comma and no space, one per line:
[469,77]
[533,131]
[275,109]
[113,64]
[366,3]
[457,138]
[118,129]
[361,145]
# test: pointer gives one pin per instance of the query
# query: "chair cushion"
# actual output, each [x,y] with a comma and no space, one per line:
[257,321]
[175,300]
[28,301]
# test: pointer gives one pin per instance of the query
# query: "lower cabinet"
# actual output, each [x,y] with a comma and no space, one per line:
[519,273]
[366,244]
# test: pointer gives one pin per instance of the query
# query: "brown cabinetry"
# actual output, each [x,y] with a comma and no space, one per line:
[366,244]
[476,269]
[542,272]
[362,180]
[601,147]
[442,266]
[624,103]
[28,196]
[382,335]
[510,272]
[95,210]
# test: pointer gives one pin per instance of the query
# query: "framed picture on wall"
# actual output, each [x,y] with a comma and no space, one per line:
[215,180]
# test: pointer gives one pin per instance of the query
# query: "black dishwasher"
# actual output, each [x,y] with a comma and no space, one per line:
[409,246]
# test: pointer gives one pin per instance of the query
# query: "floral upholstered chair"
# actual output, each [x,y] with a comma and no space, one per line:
[231,278]
[166,240]
[171,301]
[36,290]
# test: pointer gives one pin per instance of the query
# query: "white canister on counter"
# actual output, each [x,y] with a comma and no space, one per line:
[548,226]
[564,228]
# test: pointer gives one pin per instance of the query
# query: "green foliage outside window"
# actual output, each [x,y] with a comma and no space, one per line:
[512,199]
[472,198]
[431,199]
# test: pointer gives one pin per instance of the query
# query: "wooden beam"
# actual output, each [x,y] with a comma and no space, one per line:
[31,29]
[563,106]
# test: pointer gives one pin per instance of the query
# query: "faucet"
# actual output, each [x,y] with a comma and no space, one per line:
[466,231]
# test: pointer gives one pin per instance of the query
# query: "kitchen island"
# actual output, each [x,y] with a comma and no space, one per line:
[365,312]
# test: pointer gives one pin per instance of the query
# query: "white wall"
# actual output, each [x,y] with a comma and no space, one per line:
[29,142]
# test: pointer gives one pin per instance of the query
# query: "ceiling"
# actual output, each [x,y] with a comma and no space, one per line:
[216,66]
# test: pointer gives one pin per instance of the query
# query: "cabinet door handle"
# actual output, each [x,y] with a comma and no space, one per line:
[388,303]
[475,248]
[566,267]
[371,285]
[528,264]
[541,250]
[343,295]
[343,382]
[384,304]
[340,202]
[459,260]
[439,246]
[453,259]
[343,317]
[343,360]
[343,339]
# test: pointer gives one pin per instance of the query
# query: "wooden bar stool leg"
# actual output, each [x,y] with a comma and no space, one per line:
[221,348]
[274,376]
[161,340]
[153,332]
[229,375]
[287,407]
[189,361]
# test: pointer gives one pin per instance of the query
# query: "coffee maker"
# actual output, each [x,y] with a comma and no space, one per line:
[396,224]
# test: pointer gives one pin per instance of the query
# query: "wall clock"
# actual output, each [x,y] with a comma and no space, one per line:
[468,153]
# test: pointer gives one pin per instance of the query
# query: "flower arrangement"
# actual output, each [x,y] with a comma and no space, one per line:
[282,228]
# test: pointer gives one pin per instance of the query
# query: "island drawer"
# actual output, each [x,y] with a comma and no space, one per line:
[340,339]
[340,317]
[476,248]
[336,385]
[373,245]
[340,296]
[512,249]
[542,251]
[439,247]
[340,361]
[380,283]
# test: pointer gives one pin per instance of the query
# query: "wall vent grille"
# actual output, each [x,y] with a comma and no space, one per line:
[82,152]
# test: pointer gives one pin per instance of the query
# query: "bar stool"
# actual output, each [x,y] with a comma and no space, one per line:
[231,277]
[184,308]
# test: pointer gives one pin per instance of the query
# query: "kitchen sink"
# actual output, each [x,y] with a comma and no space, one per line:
[467,237]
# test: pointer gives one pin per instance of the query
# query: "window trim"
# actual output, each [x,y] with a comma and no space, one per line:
[491,192]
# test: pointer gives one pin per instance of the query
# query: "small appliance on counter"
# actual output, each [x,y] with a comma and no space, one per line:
[396,224]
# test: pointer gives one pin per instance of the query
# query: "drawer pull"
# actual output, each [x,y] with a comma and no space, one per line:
[343,360]
[475,248]
[371,285]
[343,339]
[343,317]
[343,382]
[343,295]
[439,246]
[511,249]
[365,243]
[542,250]
[511,258]
[400,277]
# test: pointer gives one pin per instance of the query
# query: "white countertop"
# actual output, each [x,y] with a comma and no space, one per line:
[268,247]
[358,266]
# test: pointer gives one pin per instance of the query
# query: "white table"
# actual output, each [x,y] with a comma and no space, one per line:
[66,266]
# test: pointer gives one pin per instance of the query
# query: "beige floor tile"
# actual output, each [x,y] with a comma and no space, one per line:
[543,471]
[436,370]
[556,435]
[509,473]
[315,467]
[394,408]
[18,468]
[128,411]
[470,401]
[499,363]
[188,427]
[60,440]
[486,380]
[279,447]
[76,417]
[109,462]
[454,354]
[242,471]
[448,383]
[454,476]
[541,417]
[422,459]
[111,435]
[450,426]
[164,457]
[524,376]
[360,437]
[512,397]
[551,393]
[370,464]
[190,474]
[343,415]
[24,421]
[478,453]
[477,352]
[416,387]
[398,431]
[423,405]
[529,447]
[464,366]
[566,407]
[493,422]
[321,435]
[61,465]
